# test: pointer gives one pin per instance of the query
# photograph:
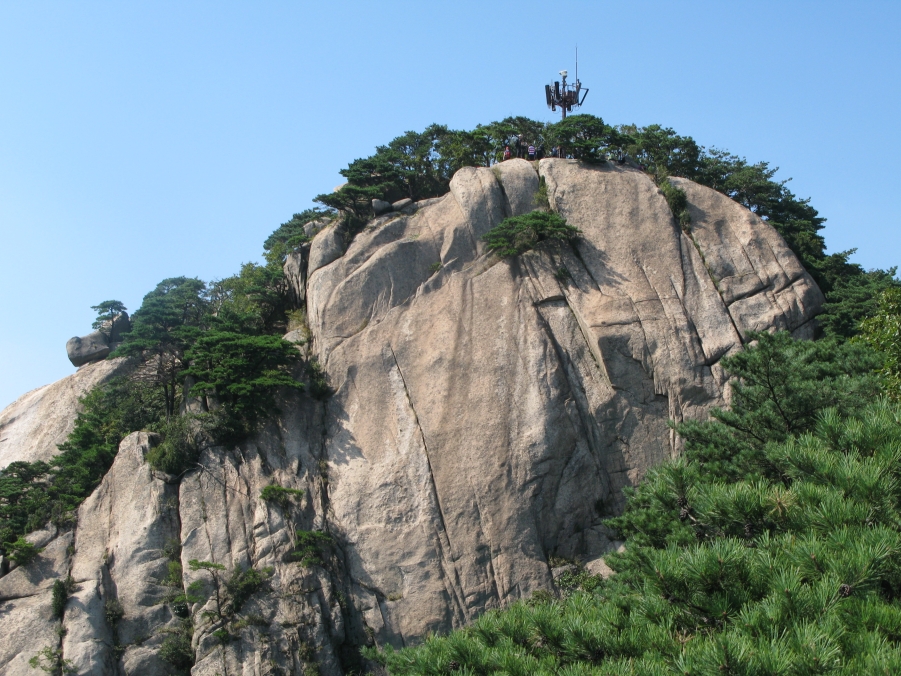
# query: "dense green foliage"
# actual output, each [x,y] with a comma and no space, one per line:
[242,371]
[33,493]
[772,547]
[677,201]
[289,236]
[783,387]
[59,595]
[852,299]
[280,495]
[176,647]
[21,551]
[518,234]
[420,165]
[217,346]
[311,547]
[882,332]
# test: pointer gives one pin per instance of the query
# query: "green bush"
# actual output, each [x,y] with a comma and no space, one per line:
[179,448]
[222,636]
[882,333]
[59,597]
[22,551]
[677,201]
[289,236]
[772,547]
[518,234]
[244,584]
[113,612]
[50,660]
[176,648]
[280,495]
[311,547]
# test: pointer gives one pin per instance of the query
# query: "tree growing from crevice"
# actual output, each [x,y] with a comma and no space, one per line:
[518,234]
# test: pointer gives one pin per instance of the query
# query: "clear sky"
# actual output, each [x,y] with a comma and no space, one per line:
[140,141]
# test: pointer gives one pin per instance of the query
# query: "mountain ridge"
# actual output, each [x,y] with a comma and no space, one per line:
[486,416]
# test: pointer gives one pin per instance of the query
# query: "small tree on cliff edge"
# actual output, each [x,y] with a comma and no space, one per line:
[107,311]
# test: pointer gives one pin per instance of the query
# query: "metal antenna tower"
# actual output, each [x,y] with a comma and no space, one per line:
[566,96]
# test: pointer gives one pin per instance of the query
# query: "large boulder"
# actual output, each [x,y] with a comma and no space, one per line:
[327,246]
[488,415]
[86,349]
[119,327]
[295,270]
[380,207]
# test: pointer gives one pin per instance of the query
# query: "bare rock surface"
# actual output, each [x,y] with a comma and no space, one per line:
[86,349]
[33,425]
[327,246]
[486,416]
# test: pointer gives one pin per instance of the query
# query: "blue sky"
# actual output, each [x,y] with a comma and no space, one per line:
[140,141]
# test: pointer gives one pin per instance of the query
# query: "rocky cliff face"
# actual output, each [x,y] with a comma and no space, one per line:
[487,414]
[35,423]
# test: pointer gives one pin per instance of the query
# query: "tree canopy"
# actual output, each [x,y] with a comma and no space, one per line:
[728,568]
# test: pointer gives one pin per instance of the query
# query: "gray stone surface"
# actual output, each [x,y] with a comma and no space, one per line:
[295,270]
[760,280]
[313,227]
[519,181]
[327,246]
[486,417]
[380,207]
[121,326]
[490,416]
[33,425]
[86,349]
[401,205]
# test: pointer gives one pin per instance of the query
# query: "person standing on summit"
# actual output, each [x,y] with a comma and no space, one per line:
[531,152]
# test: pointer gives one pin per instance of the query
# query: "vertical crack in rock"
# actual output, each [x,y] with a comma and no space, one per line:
[538,414]
[690,236]
[448,567]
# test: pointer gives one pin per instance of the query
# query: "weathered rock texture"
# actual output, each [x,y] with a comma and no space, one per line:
[486,415]
[86,349]
[33,425]
[98,344]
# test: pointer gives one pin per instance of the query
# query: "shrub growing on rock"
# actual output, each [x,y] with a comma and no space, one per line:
[176,647]
[22,551]
[59,596]
[772,547]
[518,234]
[311,547]
[280,495]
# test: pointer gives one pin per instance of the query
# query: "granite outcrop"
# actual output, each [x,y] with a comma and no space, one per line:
[486,416]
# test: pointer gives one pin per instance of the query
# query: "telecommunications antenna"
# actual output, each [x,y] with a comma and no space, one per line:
[563,95]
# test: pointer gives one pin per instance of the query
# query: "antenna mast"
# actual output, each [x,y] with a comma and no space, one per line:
[567,96]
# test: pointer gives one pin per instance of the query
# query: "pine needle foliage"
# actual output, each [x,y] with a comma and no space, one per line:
[778,555]
[882,332]
[518,234]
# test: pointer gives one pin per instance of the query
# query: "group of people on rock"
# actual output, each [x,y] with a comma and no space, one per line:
[516,147]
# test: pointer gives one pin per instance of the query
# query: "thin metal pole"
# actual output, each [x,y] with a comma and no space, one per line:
[564,97]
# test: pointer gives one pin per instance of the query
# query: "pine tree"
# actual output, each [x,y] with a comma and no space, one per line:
[780,555]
